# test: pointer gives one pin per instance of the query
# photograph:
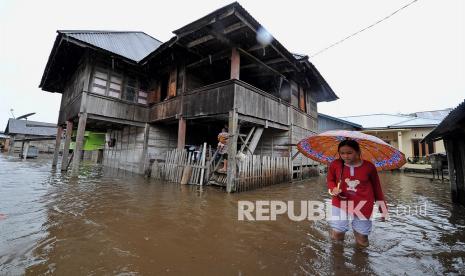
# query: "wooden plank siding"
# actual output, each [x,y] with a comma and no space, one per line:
[168,109]
[116,108]
[256,103]
[210,100]
[70,110]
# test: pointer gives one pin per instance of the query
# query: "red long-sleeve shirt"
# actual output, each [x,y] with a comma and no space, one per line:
[363,185]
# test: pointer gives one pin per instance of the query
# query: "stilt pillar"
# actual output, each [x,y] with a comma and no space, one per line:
[79,142]
[57,146]
[232,150]
[69,133]
[26,149]
[235,64]
[181,133]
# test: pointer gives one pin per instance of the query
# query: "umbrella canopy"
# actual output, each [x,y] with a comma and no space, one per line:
[323,148]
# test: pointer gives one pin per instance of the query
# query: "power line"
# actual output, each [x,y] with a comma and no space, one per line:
[364,29]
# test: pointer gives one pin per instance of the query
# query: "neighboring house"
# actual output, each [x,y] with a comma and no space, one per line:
[405,132]
[31,133]
[326,122]
[150,97]
[451,131]
[4,142]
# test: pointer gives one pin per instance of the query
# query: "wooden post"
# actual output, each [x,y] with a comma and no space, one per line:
[11,150]
[144,158]
[202,163]
[69,134]
[181,133]
[232,149]
[79,142]
[235,64]
[57,146]
[26,149]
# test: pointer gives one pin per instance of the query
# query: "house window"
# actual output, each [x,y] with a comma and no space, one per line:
[130,90]
[107,83]
[99,84]
[142,97]
[422,149]
[115,86]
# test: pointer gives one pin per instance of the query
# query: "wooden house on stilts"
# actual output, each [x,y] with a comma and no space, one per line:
[153,98]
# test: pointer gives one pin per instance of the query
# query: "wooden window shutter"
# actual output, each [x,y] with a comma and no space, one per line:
[172,83]
[154,93]
[301,99]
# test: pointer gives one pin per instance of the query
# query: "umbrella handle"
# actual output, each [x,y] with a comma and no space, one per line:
[338,187]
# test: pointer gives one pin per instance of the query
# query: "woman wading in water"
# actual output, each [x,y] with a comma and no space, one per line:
[355,187]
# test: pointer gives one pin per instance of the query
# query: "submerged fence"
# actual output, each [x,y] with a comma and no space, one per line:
[252,172]
[180,166]
[260,171]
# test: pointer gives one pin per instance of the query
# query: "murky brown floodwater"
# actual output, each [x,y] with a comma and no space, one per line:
[128,225]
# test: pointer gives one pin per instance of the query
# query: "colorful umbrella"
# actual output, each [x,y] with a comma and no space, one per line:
[323,148]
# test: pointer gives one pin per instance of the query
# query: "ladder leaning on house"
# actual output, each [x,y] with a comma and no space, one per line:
[249,144]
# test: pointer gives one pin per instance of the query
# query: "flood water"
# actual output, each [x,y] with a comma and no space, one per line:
[103,223]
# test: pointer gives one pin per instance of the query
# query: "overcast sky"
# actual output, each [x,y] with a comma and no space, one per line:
[414,61]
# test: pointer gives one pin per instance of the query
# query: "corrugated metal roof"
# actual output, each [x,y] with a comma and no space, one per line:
[377,120]
[380,121]
[131,45]
[434,114]
[27,127]
[339,120]
[416,122]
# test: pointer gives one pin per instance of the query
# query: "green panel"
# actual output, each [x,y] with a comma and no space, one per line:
[92,140]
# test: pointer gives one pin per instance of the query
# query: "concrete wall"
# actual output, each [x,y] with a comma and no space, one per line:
[407,137]
[419,133]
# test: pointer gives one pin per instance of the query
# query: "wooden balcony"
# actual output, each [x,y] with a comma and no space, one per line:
[251,103]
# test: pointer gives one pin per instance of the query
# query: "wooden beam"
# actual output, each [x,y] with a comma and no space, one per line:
[211,58]
[256,47]
[143,159]
[219,35]
[261,63]
[235,64]
[115,120]
[199,41]
[69,133]
[232,150]
[204,24]
[181,133]
[26,149]
[57,146]
[79,143]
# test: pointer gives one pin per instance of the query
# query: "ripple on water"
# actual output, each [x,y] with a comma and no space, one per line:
[113,222]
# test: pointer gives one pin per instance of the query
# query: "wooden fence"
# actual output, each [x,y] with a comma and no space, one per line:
[180,167]
[260,171]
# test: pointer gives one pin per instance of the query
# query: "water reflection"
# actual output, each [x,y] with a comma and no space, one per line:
[114,222]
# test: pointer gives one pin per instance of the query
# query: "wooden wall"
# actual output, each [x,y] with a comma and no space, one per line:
[165,110]
[214,99]
[272,143]
[127,153]
[253,102]
[162,138]
[116,108]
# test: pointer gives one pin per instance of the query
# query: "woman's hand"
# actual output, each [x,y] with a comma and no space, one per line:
[335,191]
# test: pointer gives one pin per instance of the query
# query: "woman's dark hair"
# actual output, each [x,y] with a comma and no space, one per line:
[350,143]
